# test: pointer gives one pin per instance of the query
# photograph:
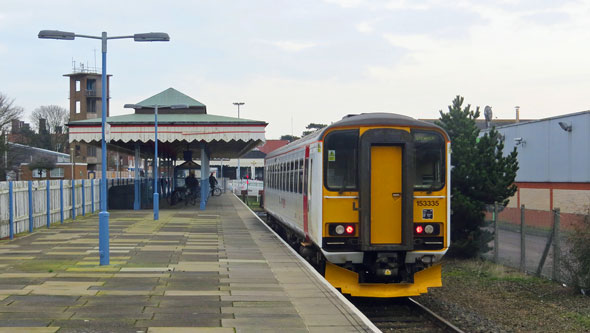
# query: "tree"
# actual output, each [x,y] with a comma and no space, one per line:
[42,163]
[291,138]
[313,127]
[480,175]
[56,137]
[8,113]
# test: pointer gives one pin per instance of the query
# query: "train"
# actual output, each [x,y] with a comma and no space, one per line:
[366,200]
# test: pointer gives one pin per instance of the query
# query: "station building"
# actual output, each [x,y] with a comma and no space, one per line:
[554,161]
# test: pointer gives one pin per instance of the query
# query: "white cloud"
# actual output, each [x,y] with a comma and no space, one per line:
[346,3]
[413,42]
[365,27]
[290,46]
[403,4]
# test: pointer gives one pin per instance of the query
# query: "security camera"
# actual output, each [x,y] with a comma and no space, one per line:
[519,141]
[566,127]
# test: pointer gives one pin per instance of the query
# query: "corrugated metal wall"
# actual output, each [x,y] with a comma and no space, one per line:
[547,153]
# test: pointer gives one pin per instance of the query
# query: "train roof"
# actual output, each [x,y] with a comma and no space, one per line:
[380,118]
[363,119]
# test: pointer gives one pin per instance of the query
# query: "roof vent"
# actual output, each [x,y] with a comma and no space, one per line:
[350,115]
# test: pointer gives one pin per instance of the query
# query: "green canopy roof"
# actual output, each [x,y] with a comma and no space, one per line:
[171,96]
[206,119]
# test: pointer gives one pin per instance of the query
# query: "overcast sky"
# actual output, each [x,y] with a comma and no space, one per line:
[297,62]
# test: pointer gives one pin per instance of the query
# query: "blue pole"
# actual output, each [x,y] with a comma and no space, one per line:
[204,180]
[31,208]
[103,216]
[99,192]
[48,204]
[61,201]
[92,195]
[156,172]
[136,204]
[83,199]
[11,209]
[73,199]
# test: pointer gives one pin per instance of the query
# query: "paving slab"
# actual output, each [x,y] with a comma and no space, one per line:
[219,270]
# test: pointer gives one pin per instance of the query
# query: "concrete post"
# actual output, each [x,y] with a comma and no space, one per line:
[496,240]
[556,245]
[522,241]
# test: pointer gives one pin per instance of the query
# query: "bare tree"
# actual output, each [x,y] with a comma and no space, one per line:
[8,112]
[56,117]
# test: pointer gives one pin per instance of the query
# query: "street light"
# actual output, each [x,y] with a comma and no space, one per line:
[239,175]
[238,104]
[156,201]
[103,216]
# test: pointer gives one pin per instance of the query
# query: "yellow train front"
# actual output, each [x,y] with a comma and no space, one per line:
[367,201]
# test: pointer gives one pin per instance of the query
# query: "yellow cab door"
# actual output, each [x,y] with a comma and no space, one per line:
[386,178]
[386,194]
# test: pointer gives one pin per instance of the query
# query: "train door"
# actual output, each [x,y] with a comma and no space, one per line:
[306,193]
[386,190]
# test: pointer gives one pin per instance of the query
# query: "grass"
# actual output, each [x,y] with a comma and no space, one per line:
[581,319]
[490,273]
[45,265]
[509,299]
[253,204]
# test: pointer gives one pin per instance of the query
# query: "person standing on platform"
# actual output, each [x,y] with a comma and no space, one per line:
[212,182]
[192,183]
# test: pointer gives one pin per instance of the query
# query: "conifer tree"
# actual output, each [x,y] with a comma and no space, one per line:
[480,175]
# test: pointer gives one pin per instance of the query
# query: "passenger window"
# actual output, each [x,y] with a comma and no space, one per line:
[341,160]
[430,161]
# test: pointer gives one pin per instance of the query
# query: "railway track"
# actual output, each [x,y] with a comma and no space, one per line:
[402,315]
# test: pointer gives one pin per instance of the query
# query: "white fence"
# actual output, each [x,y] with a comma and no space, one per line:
[252,186]
[30,201]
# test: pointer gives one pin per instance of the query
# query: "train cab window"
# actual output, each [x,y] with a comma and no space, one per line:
[430,161]
[341,160]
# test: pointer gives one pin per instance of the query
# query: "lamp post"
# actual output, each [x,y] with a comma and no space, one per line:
[103,216]
[156,200]
[239,175]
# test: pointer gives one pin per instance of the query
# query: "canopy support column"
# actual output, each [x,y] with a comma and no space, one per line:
[137,162]
[204,176]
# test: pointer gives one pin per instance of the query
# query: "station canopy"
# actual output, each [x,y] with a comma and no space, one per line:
[180,129]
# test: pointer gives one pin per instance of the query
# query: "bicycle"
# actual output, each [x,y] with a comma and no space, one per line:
[174,197]
[216,191]
[191,197]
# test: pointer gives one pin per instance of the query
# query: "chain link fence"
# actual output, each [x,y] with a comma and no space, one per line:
[533,241]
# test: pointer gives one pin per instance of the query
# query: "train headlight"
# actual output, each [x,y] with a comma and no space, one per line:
[342,229]
[427,229]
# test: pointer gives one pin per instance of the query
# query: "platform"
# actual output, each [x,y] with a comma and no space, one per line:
[219,270]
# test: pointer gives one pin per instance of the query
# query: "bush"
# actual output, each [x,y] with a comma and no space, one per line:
[576,261]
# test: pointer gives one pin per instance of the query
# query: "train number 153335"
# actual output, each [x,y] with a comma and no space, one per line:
[423,203]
